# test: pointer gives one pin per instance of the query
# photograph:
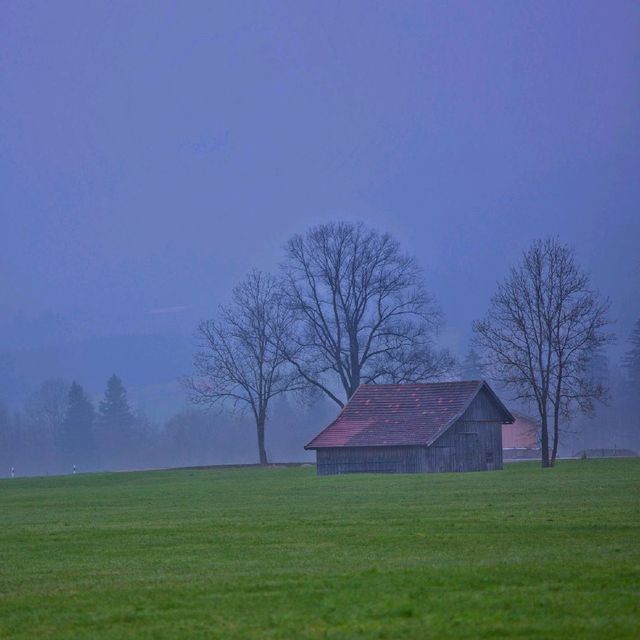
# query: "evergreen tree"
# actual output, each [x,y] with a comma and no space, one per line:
[5,440]
[631,388]
[471,368]
[631,360]
[77,438]
[116,421]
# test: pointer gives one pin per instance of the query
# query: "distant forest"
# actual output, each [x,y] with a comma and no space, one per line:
[348,307]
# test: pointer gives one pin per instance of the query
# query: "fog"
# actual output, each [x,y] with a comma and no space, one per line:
[151,155]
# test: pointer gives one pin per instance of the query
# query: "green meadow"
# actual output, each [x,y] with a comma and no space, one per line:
[280,553]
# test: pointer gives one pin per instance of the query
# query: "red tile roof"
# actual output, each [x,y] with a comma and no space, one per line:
[400,414]
[523,416]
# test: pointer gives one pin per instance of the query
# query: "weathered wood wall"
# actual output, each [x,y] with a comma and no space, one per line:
[470,445]
[369,460]
[473,443]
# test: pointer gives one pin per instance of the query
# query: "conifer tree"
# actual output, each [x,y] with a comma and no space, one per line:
[471,368]
[77,437]
[630,397]
[631,360]
[115,420]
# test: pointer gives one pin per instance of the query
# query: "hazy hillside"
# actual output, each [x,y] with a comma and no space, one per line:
[150,365]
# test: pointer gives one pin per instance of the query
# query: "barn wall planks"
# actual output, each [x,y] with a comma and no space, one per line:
[370,460]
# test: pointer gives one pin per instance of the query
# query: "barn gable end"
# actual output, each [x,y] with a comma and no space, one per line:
[475,439]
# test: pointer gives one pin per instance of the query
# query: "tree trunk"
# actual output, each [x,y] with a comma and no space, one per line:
[261,450]
[544,440]
[354,357]
[556,434]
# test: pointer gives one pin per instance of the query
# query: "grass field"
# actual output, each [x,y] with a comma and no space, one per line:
[280,553]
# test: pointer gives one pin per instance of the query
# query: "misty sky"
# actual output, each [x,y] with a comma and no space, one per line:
[151,152]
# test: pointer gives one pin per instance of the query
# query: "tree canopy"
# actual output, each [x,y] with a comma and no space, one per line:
[362,312]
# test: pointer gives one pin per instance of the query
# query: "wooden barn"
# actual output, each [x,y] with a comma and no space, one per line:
[520,438]
[414,428]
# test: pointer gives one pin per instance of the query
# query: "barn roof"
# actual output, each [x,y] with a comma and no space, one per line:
[522,417]
[402,414]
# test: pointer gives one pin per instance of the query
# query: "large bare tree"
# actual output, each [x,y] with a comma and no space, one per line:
[544,325]
[362,312]
[241,361]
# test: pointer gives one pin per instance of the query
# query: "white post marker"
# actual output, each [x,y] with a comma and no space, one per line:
[74,469]
[13,472]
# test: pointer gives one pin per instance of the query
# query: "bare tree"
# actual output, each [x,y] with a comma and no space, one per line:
[362,312]
[47,406]
[543,327]
[44,413]
[241,361]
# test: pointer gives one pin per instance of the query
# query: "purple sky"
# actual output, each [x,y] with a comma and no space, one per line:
[151,153]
